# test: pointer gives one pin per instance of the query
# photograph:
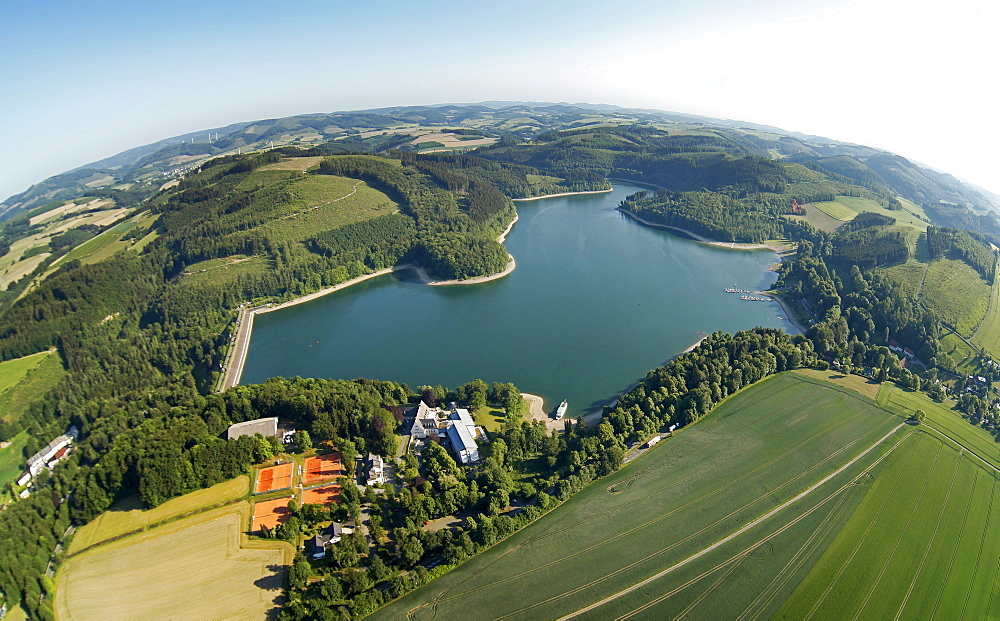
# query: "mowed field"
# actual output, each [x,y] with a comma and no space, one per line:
[712,523]
[11,371]
[923,544]
[199,567]
[987,337]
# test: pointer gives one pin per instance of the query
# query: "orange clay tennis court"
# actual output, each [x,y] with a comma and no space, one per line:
[321,495]
[273,478]
[270,513]
[322,468]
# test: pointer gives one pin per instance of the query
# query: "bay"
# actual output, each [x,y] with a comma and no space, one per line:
[597,300]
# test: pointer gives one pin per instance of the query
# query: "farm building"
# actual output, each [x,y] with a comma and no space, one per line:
[24,479]
[51,454]
[267,427]
[653,441]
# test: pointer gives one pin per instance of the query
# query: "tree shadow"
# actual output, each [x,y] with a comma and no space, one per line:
[274,581]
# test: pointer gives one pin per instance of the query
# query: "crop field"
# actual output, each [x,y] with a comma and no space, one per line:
[273,478]
[200,567]
[34,384]
[270,513]
[11,371]
[295,163]
[321,495]
[128,516]
[724,519]
[957,294]
[321,468]
[943,419]
[923,543]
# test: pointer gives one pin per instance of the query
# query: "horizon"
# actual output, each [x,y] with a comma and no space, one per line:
[105,79]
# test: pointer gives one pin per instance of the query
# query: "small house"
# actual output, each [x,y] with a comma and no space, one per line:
[327,537]
[376,470]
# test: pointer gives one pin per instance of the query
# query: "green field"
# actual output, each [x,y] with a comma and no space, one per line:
[33,385]
[987,337]
[944,419]
[957,294]
[964,356]
[702,492]
[923,543]
[818,219]
[12,371]
[835,209]
[12,459]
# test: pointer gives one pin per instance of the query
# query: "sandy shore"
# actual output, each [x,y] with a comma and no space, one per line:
[706,240]
[535,198]
[694,345]
[784,307]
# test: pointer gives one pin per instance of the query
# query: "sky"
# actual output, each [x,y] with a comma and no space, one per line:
[83,81]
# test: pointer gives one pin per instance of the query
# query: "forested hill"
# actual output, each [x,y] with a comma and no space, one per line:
[138,173]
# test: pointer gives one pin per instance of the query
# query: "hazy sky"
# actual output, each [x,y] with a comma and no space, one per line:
[83,81]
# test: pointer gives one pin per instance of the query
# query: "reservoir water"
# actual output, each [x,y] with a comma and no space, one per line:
[597,300]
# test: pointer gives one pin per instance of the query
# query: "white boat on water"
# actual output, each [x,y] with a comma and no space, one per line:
[561,410]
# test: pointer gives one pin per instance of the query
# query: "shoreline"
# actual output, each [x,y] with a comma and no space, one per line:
[235,358]
[705,240]
[535,198]
[693,346]
[785,309]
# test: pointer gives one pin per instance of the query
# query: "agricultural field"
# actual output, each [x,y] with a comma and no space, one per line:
[128,516]
[724,518]
[200,567]
[966,358]
[941,417]
[923,543]
[33,385]
[957,294]
[818,219]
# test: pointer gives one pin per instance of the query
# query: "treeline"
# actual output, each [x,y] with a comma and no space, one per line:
[956,244]
[710,214]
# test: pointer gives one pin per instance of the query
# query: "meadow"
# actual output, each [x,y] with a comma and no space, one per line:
[987,336]
[201,567]
[12,371]
[11,462]
[957,294]
[684,517]
[35,383]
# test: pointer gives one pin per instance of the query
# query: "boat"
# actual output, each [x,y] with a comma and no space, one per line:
[561,410]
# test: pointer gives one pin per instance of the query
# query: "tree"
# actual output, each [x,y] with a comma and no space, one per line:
[303,441]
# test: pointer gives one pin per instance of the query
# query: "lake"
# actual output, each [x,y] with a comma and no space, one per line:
[597,300]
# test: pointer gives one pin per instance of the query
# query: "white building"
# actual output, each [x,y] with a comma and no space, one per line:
[51,454]
[426,423]
[267,427]
[376,470]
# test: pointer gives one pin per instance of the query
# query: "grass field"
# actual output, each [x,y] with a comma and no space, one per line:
[200,567]
[12,460]
[923,543]
[491,418]
[33,385]
[957,294]
[958,350]
[987,337]
[125,517]
[819,219]
[704,491]
[12,371]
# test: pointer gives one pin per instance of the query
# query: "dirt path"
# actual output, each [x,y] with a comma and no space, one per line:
[739,532]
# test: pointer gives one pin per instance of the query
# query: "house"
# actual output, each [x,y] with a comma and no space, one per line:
[327,537]
[376,470]
[267,427]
